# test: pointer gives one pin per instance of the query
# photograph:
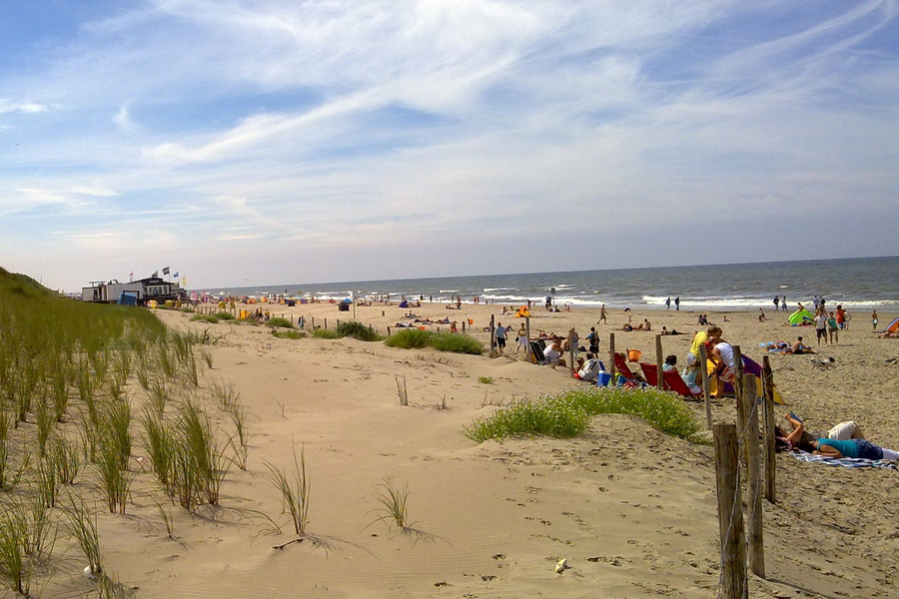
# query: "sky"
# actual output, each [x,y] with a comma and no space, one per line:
[261,142]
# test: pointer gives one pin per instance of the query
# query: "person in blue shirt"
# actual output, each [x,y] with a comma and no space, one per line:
[853,448]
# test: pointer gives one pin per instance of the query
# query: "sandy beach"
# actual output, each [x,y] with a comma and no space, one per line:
[631,510]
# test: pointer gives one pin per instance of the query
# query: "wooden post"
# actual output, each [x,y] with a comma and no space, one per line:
[527,331]
[313,322]
[612,358]
[706,388]
[338,323]
[769,443]
[492,333]
[753,477]
[382,313]
[730,513]
[463,326]
[572,365]
[738,398]
[388,331]
[291,320]
[660,379]
[326,323]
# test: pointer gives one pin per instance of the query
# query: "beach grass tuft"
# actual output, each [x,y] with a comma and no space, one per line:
[288,334]
[441,341]
[325,334]
[277,321]
[394,505]
[210,318]
[567,414]
[485,380]
[294,494]
[357,330]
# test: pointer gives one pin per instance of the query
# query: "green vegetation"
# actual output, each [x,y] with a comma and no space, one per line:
[295,494]
[441,341]
[288,334]
[325,334]
[357,330]
[485,380]
[279,322]
[394,505]
[224,316]
[73,370]
[210,318]
[568,414]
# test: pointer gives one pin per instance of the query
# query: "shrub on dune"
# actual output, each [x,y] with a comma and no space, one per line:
[567,414]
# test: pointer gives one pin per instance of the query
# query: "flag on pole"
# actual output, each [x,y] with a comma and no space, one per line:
[175,276]
[165,270]
[184,282]
[155,273]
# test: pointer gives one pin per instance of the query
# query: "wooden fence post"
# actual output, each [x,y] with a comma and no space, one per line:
[326,323]
[492,333]
[706,388]
[612,358]
[730,513]
[738,399]
[660,379]
[313,322]
[527,331]
[572,365]
[769,444]
[753,477]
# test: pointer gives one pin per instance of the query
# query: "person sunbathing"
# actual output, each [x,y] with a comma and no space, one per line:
[853,448]
[801,438]
[797,348]
[628,328]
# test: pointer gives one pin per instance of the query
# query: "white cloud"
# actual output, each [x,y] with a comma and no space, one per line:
[8,106]
[123,120]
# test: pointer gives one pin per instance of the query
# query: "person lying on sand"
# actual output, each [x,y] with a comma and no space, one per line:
[803,439]
[795,349]
[853,448]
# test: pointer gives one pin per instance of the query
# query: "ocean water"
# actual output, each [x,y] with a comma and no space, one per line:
[859,283]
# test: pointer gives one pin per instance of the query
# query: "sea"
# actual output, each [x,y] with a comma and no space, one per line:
[856,283]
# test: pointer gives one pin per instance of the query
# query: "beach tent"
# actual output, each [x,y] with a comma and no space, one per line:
[404,304]
[801,317]
[750,367]
[893,326]
[523,312]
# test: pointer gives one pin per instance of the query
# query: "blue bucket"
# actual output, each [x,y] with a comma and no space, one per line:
[603,379]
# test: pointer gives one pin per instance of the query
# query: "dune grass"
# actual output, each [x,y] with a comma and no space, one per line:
[224,316]
[210,318]
[357,330]
[567,414]
[441,341]
[295,494]
[279,322]
[325,334]
[288,334]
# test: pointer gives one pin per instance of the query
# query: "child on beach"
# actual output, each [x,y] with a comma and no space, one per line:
[874,319]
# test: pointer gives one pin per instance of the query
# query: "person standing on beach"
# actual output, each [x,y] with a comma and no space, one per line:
[776,303]
[677,304]
[603,316]
[522,341]
[821,326]
[783,303]
[874,319]
[593,340]
[668,303]
[500,335]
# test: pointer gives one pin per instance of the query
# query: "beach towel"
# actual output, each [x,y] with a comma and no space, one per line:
[845,462]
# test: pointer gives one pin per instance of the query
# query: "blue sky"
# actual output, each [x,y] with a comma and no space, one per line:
[268,141]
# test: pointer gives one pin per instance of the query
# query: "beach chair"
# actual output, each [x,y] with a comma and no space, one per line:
[649,373]
[672,380]
[627,378]
[537,347]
